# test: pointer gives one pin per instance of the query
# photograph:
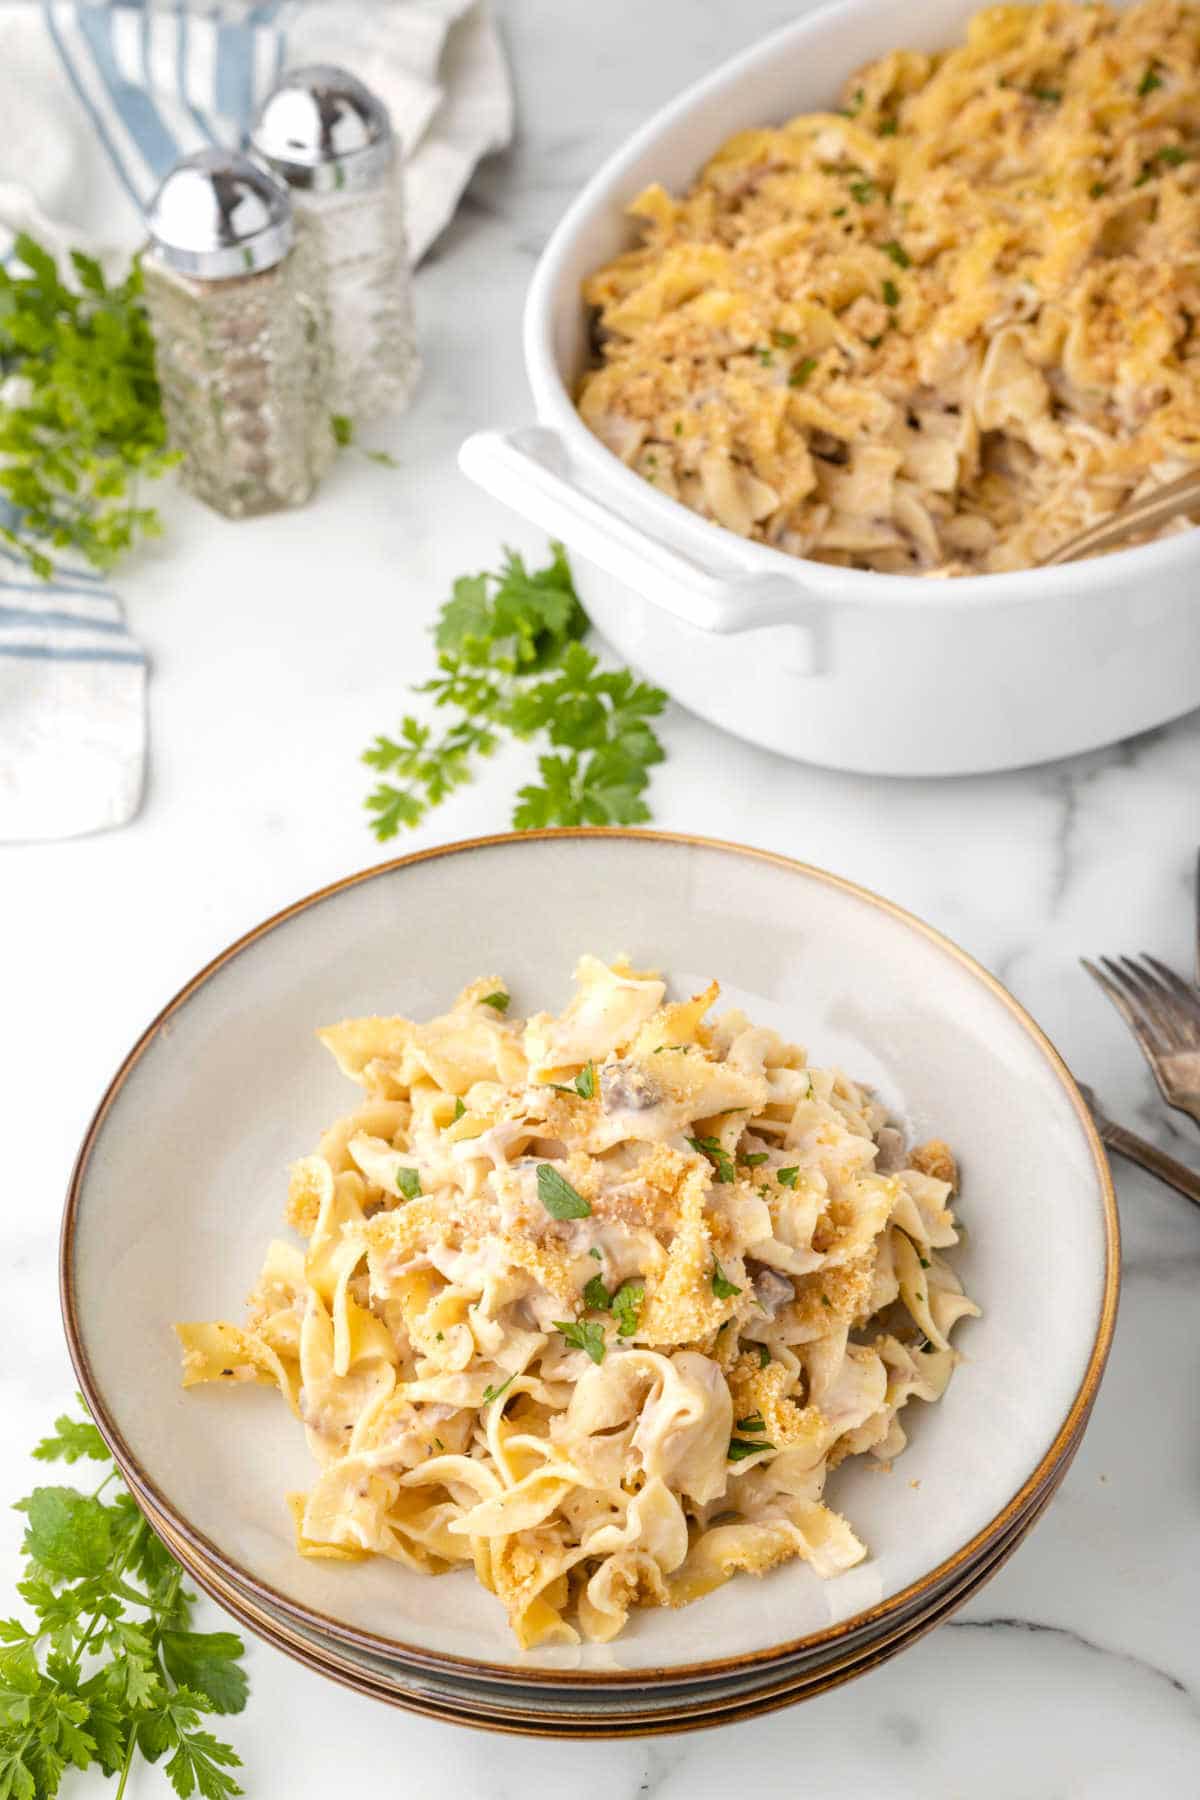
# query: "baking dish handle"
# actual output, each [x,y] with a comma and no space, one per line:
[529,470]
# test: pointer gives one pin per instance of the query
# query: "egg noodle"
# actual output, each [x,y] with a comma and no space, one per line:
[941,330]
[595,1302]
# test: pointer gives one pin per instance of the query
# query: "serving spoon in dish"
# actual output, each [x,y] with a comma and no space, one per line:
[1174,500]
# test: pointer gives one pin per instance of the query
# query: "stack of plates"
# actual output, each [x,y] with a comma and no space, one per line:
[179,1185]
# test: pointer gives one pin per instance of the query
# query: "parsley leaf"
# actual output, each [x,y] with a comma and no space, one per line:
[802,371]
[862,191]
[82,424]
[409,1182]
[493,1393]
[752,1422]
[596,1295]
[557,1195]
[511,664]
[787,1177]
[1150,80]
[722,1288]
[207,1662]
[499,1001]
[459,1109]
[584,1083]
[72,1439]
[110,1666]
[891,293]
[740,1448]
[755,1159]
[627,1306]
[717,1155]
[764,1356]
[583,1334]
[899,255]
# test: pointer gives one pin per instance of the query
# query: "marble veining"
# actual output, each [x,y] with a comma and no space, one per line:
[1079,1641]
[1075,1674]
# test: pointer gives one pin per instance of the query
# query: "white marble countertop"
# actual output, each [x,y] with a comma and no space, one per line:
[279,648]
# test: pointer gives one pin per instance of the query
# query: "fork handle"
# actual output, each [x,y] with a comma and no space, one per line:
[1155,1161]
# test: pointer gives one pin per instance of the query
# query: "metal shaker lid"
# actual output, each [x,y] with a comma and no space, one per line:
[323,129]
[218,214]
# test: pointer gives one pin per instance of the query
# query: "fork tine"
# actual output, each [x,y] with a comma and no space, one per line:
[1158,1002]
[1187,996]
[1124,1006]
[1143,1014]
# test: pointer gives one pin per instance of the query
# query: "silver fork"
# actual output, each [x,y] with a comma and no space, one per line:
[1163,1012]
[1134,1149]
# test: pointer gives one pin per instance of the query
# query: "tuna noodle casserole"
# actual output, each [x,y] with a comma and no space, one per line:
[593,1302]
[942,329]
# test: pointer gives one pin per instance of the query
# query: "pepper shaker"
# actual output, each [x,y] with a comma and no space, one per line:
[242,351]
[325,134]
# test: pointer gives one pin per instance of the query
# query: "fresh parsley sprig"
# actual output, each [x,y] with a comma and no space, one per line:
[110,1668]
[81,419]
[511,664]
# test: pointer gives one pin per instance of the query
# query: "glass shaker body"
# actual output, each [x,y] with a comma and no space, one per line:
[243,362]
[359,237]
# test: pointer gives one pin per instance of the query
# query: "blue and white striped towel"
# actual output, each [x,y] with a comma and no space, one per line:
[100,98]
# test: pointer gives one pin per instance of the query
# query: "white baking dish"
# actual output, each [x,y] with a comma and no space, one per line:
[885,674]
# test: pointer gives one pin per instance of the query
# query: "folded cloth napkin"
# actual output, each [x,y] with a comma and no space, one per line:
[100,98]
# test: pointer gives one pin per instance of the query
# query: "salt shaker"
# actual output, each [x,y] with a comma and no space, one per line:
[330,139]
[243,357]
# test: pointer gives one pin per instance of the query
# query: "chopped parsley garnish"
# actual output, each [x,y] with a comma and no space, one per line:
[873,343]
[891,293]
[764,356]
[584,1083]
[924,1261]
[784,340]
[856,104]
[764,1356]
[826,1301]
[787,1177]
[627,1306]
[721,1286]
[889,128]
[583,1335]
[598,1254]
[1097,188]
[559,1198]
[899,255]
[1172,154]
[596,1295]
[409,1182]
[493,1393]
[802,371]
[498,1000]
[1150,80]
[862,191]
[719,1157]
[679,428]
[752,1422]
[839,212]
[754,1158]
[459,1109]
[740,1448]
[1047,96]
